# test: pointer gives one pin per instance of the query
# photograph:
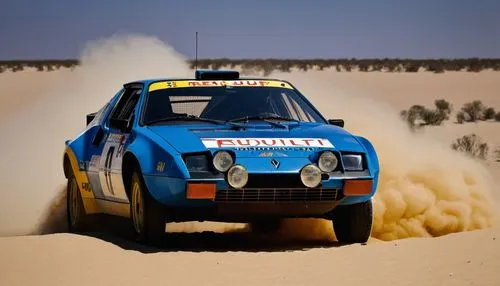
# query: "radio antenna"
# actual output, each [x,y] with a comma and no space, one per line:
[196,53]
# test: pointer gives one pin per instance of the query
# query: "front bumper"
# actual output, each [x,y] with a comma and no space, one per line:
[264,195]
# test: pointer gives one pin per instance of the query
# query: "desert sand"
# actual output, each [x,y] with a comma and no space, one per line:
[436,209]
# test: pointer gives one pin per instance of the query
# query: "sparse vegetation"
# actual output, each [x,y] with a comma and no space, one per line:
[461,117]
[285,65]
[497,154]
[489,113]
[418,116]
[473,110]
[472,145]
[497,116]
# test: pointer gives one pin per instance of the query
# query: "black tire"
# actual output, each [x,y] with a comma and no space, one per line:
[353,223]
[265,226]
[77,219]
[149,224]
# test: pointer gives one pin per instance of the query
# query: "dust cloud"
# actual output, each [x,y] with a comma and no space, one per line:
[43,113]
[425,188]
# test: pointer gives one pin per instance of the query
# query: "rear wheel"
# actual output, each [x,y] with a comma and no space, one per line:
[146,214]
[353,223]
[77,218]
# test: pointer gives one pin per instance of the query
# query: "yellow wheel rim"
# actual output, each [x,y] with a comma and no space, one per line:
[137,208]
[74,206]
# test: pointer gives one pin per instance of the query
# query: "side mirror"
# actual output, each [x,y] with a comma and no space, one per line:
[336,122]
[90,117]
[121,124]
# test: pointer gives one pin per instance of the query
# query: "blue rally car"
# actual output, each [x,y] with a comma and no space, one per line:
[218,147]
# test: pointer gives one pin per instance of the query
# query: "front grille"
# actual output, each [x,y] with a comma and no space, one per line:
[271,181]
[277,195]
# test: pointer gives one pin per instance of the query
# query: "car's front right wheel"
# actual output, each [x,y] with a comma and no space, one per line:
[353,223]
[146,214]
[76,216]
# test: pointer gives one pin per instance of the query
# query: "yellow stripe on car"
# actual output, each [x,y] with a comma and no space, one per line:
[217,83]
[83,183]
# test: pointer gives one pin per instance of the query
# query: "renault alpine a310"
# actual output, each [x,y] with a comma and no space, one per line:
[218,147]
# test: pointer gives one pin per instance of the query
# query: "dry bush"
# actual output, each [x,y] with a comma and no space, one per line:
[497,154]
[418,116]
[497,116]
[461,117]
[472,145]
[443,105]
[489,113]
[474,110]
[411,116]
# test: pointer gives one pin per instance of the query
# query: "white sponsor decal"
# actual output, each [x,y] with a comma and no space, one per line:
[266,142]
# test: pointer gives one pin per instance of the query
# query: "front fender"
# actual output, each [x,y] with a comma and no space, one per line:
[156,157]
[374,168]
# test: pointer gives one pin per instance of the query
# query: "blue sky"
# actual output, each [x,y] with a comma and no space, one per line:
[56,29]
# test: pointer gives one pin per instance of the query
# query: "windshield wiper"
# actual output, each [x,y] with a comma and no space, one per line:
[264,118]
[191,118]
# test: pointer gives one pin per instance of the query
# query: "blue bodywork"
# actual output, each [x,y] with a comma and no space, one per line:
[159,151]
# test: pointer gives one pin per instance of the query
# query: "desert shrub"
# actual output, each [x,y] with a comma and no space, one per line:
[443,105]
[461,117]
[489,113]
[433,117]
[474,110]
[413,114]
[497,116]
[472,145]
[443,110]
[427,116]
[497,154]
[435,67]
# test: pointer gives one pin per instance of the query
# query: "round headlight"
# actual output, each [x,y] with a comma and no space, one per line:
[327,161]
[310,176]
[237,176]
[222,161]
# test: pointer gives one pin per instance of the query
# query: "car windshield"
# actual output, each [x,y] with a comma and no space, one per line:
[227,104]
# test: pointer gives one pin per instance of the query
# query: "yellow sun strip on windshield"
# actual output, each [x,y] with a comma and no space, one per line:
[217,83]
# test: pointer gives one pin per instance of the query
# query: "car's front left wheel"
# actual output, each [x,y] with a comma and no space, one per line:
[353,223]
[146,214]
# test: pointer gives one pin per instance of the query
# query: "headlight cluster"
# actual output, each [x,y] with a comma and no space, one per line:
[237,175]
[327,162]
[310,175]
[223,161]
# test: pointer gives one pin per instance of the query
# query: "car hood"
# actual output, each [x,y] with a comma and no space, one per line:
[257,140]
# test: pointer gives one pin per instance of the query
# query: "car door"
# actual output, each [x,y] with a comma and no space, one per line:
[109,163]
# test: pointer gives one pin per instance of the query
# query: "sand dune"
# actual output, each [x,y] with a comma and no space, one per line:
[426,189]
[61,259]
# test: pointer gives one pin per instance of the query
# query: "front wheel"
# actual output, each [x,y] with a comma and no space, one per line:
[146,214]
[76,216]
[353,223]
